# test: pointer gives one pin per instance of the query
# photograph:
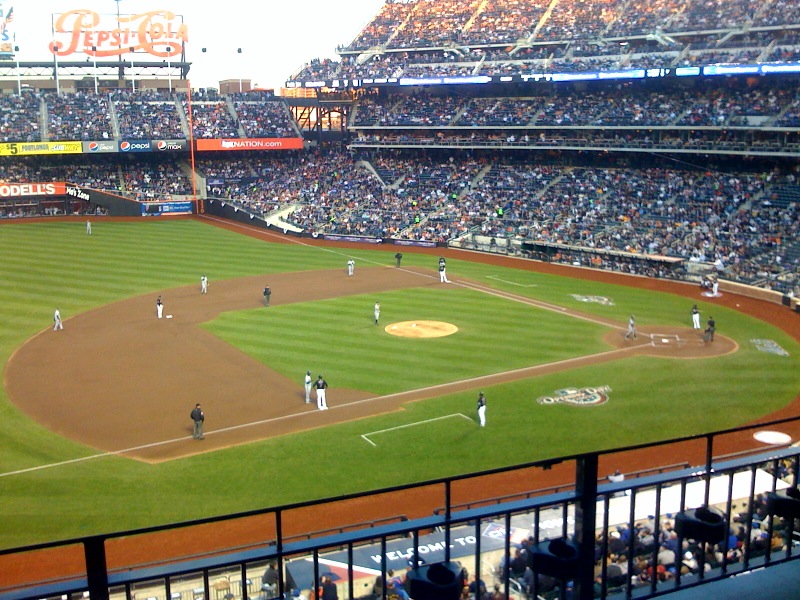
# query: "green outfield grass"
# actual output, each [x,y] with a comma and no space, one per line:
[56,264]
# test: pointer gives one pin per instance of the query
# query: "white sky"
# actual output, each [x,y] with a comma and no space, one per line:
[276,36]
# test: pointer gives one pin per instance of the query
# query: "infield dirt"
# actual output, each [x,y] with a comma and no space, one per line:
[119,365]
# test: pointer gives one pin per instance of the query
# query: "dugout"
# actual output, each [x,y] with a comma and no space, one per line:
[652,265]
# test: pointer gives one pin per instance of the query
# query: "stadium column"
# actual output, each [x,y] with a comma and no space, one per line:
[94,551]
[585,519]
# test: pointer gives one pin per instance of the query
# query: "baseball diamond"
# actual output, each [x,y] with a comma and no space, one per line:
[144,361]
[136,375]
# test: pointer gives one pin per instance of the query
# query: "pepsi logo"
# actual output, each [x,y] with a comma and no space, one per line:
[94,146]
[125,146]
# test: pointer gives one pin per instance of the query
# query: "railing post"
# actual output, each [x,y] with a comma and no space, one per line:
[94,551]
[585,523]
[447,508]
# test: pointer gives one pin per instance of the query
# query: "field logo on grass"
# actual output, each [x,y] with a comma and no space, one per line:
[770,347]
[590,396]
[595,299]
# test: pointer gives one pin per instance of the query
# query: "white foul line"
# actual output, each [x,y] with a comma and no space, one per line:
[414,424]
[526,285]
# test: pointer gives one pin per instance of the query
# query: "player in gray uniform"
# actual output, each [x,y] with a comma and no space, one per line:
[631,333]
[204,285]
[198,417]
[307,383]
[267,295]
[351,267]
[377,312]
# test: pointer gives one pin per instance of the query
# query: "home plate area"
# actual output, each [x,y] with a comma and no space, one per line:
[666,340]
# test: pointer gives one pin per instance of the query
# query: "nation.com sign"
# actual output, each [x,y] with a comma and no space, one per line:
[237,144]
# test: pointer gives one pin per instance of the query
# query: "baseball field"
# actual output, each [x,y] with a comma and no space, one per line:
[95,434]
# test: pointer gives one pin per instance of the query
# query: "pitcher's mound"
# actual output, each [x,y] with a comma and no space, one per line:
[421,329]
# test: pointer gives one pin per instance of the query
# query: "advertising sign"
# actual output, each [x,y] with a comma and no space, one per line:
[249,144]
[26,190]
[73,191]
[7,35]
[169,146]
[101,146]
[28,148]
[152,209]
[135,146]
[159,33]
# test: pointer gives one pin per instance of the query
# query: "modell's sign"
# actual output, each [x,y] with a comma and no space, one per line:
[159,33]
[21,190]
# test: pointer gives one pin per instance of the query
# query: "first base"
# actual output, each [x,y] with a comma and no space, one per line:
[169,316]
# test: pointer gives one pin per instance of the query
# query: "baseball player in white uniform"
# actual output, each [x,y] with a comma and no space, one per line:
[204,285]
[695,317]
[482,409]
[159,307]
[377,312]
[307,383]
[57,324]
[88,228]
[351,267]
[443,271]
[321,385]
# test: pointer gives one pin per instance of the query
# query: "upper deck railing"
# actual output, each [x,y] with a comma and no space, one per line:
[639,537]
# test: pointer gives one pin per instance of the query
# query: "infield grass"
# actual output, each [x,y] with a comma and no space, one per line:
[56,264]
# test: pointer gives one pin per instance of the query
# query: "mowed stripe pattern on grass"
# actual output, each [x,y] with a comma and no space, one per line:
[338,337]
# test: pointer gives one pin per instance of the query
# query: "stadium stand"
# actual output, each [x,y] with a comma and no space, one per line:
[599,176]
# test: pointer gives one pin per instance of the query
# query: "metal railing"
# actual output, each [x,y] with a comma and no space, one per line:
[628,538]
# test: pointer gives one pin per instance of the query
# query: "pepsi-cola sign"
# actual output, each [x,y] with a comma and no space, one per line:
[170,145]
[135,146]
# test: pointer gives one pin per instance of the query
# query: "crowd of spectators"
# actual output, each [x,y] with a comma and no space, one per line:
[154,179]
[435,38]
[147,115]
[142,115]
[750,107]
[704,217]
[650,551]
[78,116]
[265,119]
[20,117]
[100,173]
[211,118]
[745,224]
[432,23]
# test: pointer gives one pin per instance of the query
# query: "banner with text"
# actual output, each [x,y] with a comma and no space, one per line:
[205,145]
[30,148]
[27,190]
[158,33]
